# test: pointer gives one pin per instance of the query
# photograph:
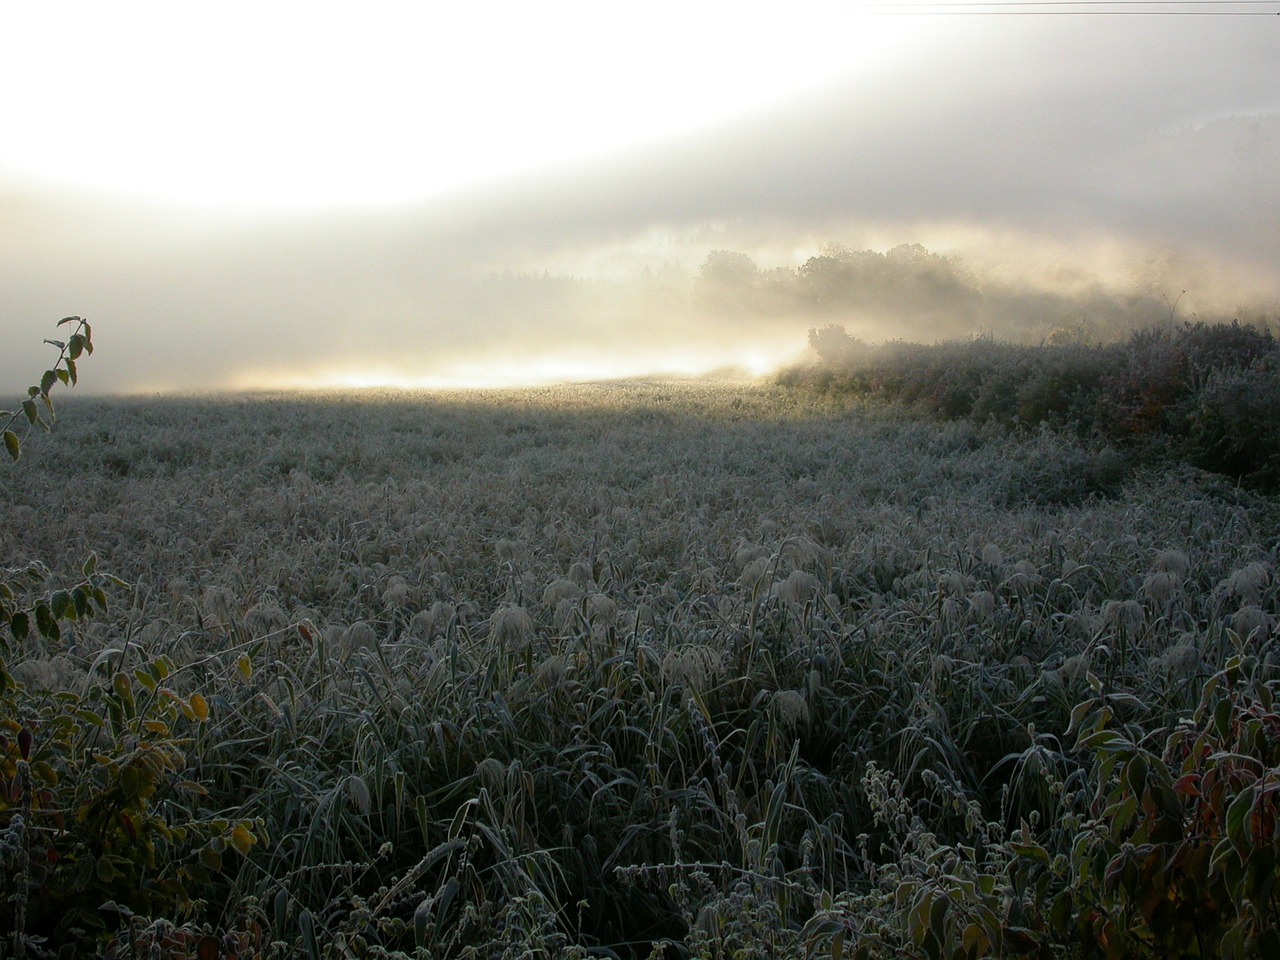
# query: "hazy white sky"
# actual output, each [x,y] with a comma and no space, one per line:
[253,193]
[304,104]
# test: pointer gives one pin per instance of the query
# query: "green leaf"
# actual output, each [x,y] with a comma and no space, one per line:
[71,372]
[62,606]
[63,376]
[20,626]
[1032,851]
[421,919]
[47,382]
[1238,821]
[1222,718]
[12,445]
[68,320]
[76,345]
[31,411]
[1104,740]
[46,624]
[1135,773]
[89,717]
[90,564]
[1268,943]
[307,925]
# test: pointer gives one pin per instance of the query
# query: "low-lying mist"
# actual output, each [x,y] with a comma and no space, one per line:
[379,306]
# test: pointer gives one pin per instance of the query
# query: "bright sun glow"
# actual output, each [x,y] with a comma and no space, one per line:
[288,104]
[501,372]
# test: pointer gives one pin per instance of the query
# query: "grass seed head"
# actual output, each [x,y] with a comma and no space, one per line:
[396,594]
[1248,582]
[1251,623]
[580,574]
[434,620]
[1161,587]
[694,666]
[265,617]
[1182,659]
[511,627]
[982,603]
[1123,614]
[602,608]
[219,607]
[747,555]
[1172,562]
[359,636]
[507,550]
[753,572]
[790,709]
[798,587]
[559,590]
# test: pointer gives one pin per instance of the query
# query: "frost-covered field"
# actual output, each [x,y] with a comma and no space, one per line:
[607,666]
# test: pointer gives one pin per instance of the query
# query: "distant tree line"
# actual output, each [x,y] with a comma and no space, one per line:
[906,280]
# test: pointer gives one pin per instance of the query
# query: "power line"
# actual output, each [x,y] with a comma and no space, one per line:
[1066,3]
[1078,8]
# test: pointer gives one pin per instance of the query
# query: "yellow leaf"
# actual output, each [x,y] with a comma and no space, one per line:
[156,726]
[241,838]
[182,704]
[200,707]
[245,667]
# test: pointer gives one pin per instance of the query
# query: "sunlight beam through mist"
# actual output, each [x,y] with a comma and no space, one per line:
[500,372]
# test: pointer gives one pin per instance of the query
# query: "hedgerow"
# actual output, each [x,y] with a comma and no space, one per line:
[1207,393]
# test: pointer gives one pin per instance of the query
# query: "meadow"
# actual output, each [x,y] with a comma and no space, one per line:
[640,669]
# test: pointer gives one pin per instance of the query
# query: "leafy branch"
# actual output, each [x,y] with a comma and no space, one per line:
[79,601]
[63,370]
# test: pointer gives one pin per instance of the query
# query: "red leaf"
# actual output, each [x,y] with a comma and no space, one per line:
[24,743]
[1188,786]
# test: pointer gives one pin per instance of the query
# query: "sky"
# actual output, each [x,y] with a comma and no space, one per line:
[261,195]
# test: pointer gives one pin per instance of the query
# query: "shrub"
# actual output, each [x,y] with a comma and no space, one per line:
[1208,390]
[1181,862]
[97,820]
[1233,426]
